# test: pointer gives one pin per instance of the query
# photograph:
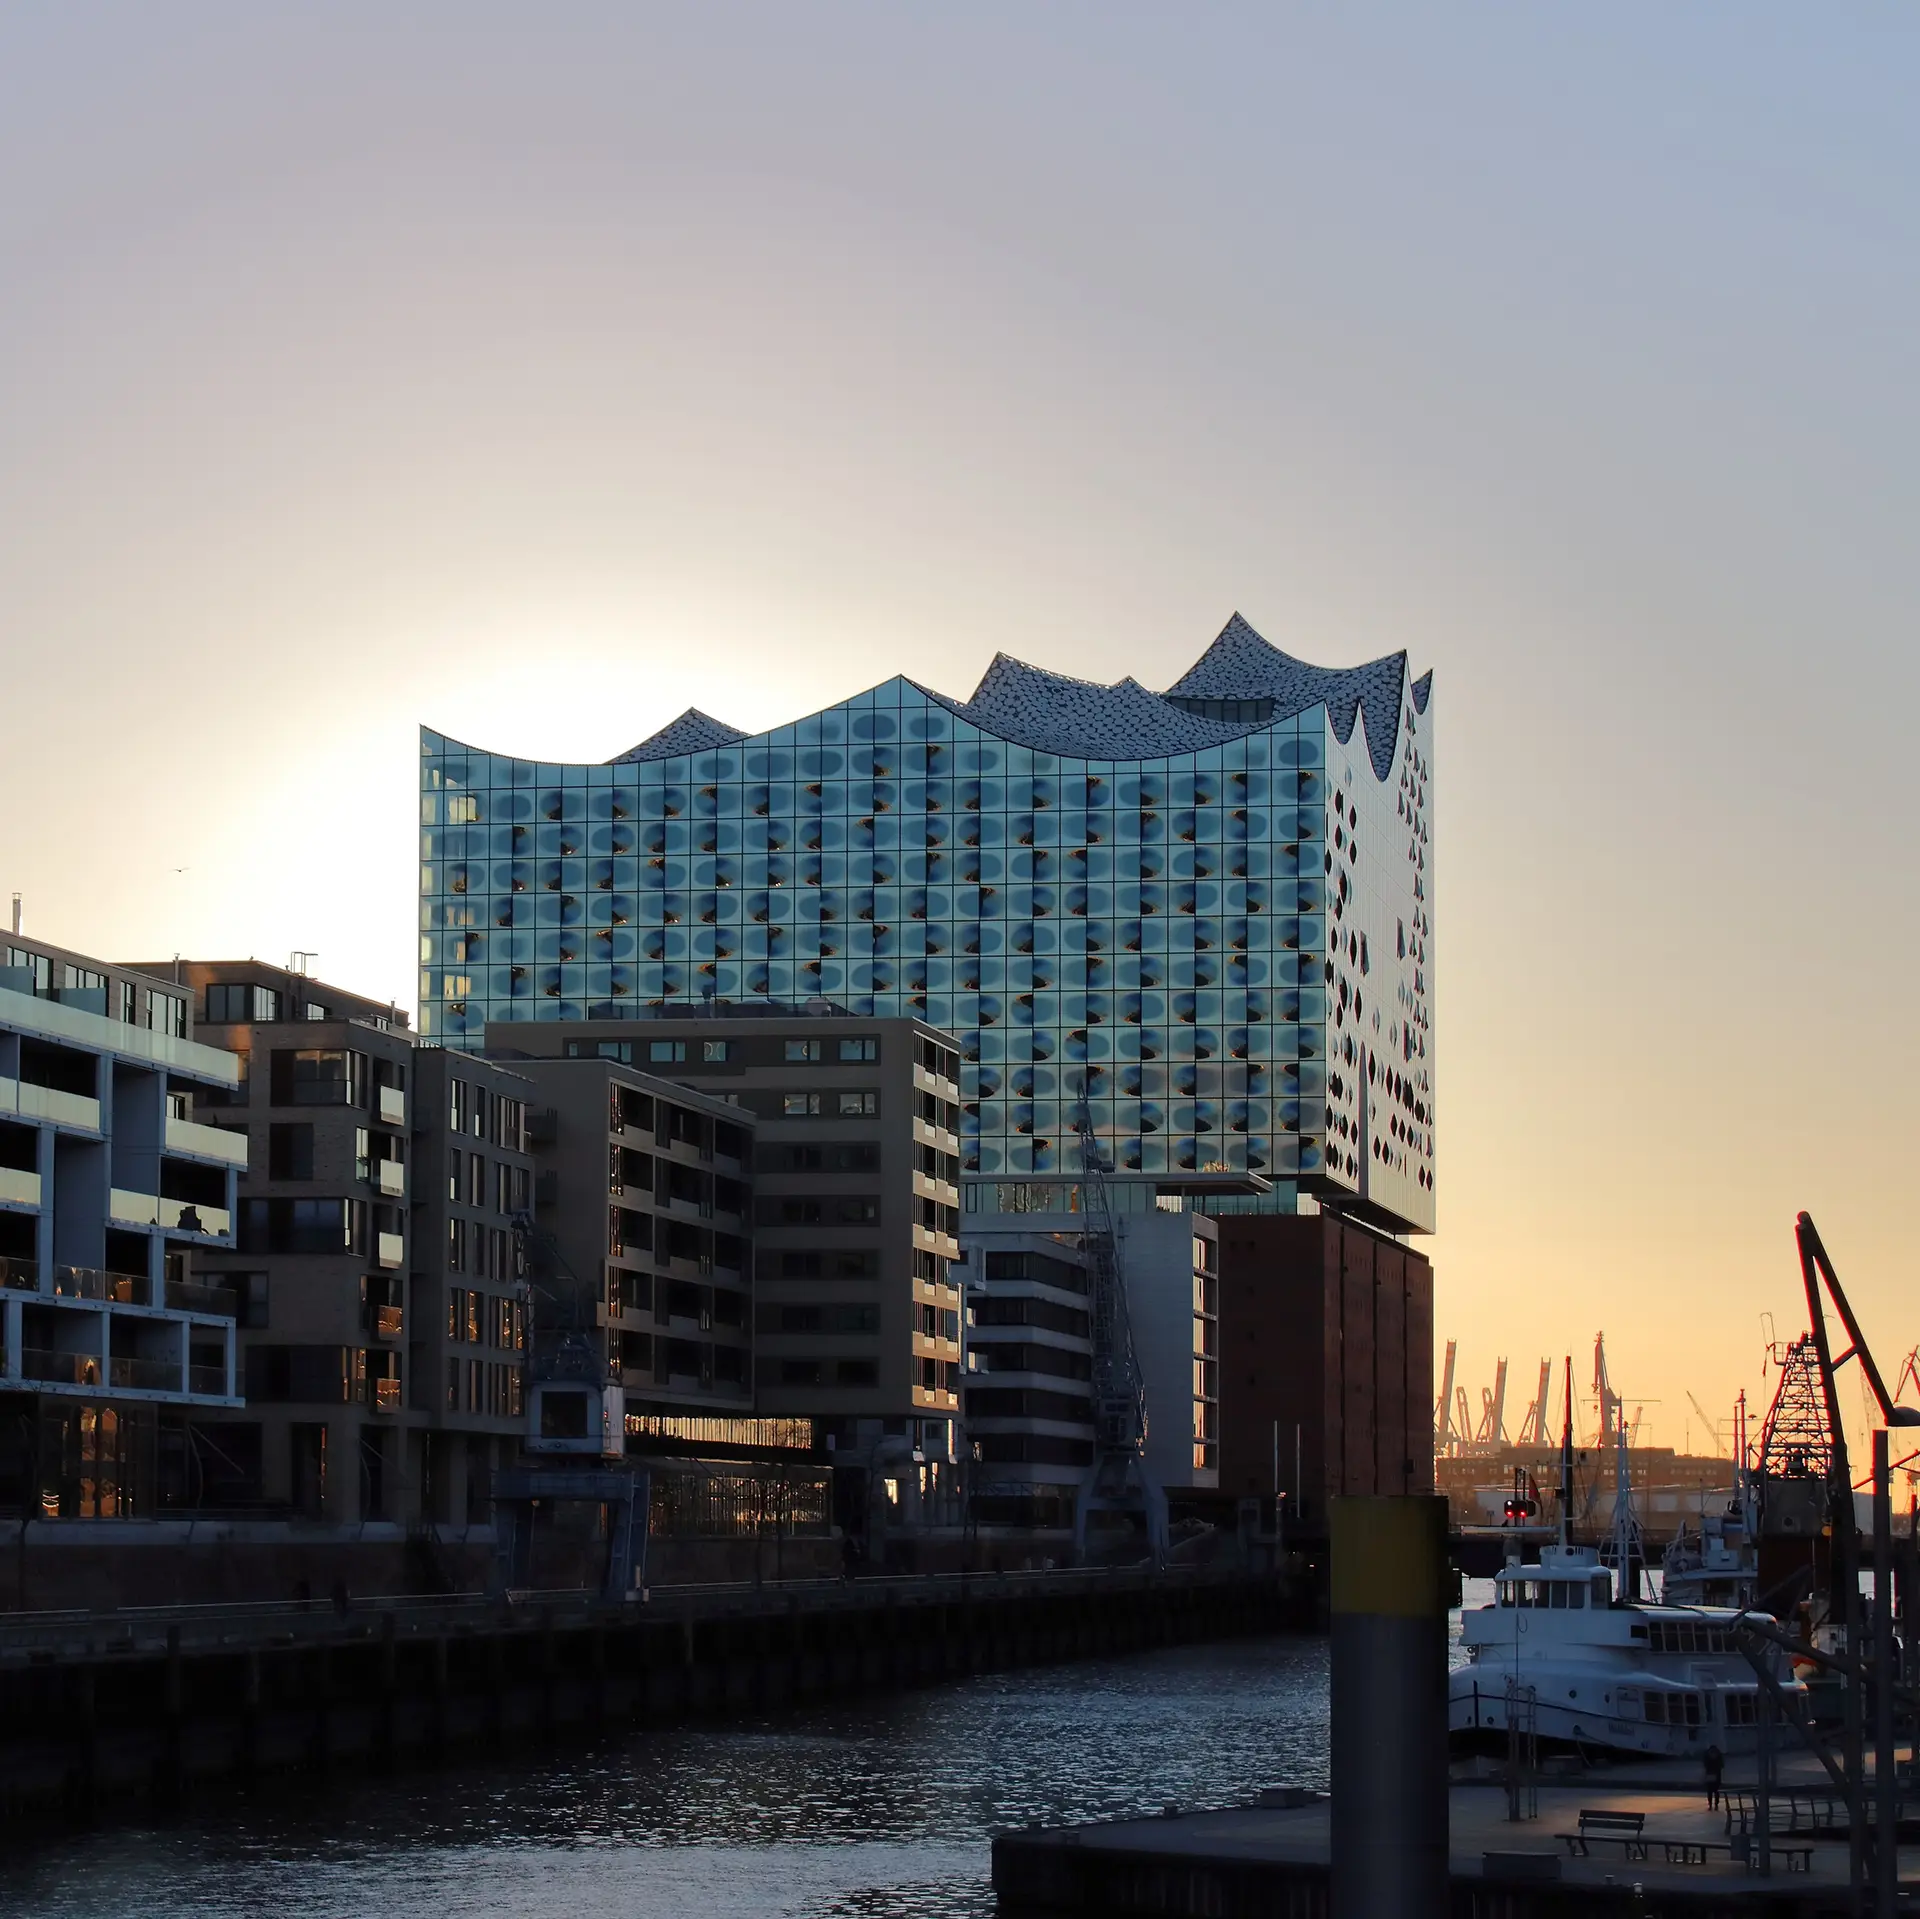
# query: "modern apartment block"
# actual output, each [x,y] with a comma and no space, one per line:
[856,1311]
[108,1192]
[1029,1391]
[468,1315]
[644,1208]
[1207,912]
[320,1259]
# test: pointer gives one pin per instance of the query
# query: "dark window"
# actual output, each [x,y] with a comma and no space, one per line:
[290,1151]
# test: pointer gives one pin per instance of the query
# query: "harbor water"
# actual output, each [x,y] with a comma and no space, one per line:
[877,1809]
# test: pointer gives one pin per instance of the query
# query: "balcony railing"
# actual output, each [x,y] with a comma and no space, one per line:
[391,1104]
[389,1321]
[209,1381]
[191,1296]
[145,1375]
[207,1142]
[390,1249]
[18,1187]
[390,1177]
[23,1275]
[386,1395]
[59,1369]
[88,1282]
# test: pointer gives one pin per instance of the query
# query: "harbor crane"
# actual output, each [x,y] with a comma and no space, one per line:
[1118,1480]
[1533,1429]
[1444,1437]
[1493,1403]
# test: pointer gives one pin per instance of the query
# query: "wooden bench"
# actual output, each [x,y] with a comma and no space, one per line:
[1625,1829]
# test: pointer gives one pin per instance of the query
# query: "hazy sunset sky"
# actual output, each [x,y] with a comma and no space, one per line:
[536,372]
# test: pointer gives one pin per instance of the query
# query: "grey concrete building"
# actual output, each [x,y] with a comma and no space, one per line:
[320,1261]
[1029,1390]
[108,1189]
[643,1203]
[468,1315]
[856,1314]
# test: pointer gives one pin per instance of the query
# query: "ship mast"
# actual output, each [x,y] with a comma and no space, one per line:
[1566,1466]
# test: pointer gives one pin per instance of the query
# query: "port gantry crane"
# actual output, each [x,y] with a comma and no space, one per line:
[1533,1428]
[1118,1480]
[1445,1439]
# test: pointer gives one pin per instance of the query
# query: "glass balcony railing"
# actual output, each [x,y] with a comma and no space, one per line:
[386,1395]
[192,1296]
[389,1321]
[89,1282]
[208,1381]
[145,1375]
[59,1369]
[23,1275]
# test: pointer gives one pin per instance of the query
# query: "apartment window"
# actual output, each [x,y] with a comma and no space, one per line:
[454,1174]
[128,1008]
[714,1050]
[800,1105]
[800,1051]
[859,1049]
[83,979]
[314,1010]
[167,1013]
[856,1372]
[232,1001]
[37,967]
[290,1151]
[665,1052]
[476,1180]
[859,1105]
[503,1188]
[456,1245]
[317,1078]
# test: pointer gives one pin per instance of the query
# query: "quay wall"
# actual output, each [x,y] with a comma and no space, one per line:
[124,1712]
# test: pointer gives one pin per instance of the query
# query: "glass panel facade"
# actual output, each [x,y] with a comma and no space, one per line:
[1225,950]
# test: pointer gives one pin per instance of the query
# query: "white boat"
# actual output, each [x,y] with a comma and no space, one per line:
[1566,1660]
[1559,1658]
[1714,1566]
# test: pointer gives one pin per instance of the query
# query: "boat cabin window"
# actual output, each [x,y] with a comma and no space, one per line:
[1602,1589]
[1556,1595]
[1673,1708]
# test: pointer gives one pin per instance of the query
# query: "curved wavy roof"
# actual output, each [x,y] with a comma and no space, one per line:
[693,732]
[1084,719]
[1240,665]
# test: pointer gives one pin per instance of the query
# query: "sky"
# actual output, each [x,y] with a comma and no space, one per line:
[533,373]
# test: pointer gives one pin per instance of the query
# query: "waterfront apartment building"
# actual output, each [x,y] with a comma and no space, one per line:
[109,1190]
[856,1317]
[320,1258]
[644,1216]
[1207,913]
[468,1319]
[1029,1391]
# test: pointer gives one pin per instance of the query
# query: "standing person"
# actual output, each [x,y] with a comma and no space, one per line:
[1716,1763]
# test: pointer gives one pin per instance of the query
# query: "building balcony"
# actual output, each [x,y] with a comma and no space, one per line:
[390,1250]
[145,1209]
[208,1382]
[388,1322]
[390,1103]
[191,1140]
[22,1099]
[188,1058]
[18,1188]
[144,1375]
[21,1275]
[385,1397]
[191,1296]
[52,1368]
[88,1282]
[390,1178]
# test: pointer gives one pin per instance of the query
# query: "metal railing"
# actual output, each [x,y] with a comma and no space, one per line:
[192,1296]
[147,1375]
[209,1380]
[60,1369]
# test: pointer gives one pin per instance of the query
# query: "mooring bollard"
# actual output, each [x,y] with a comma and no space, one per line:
[1389,1700]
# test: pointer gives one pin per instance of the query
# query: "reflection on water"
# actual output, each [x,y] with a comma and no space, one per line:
[881,1810]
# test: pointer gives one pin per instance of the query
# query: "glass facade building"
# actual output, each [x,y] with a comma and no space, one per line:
[1208,911]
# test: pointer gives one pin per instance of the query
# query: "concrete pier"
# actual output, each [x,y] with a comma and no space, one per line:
[117,1711]
[1273,1857]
